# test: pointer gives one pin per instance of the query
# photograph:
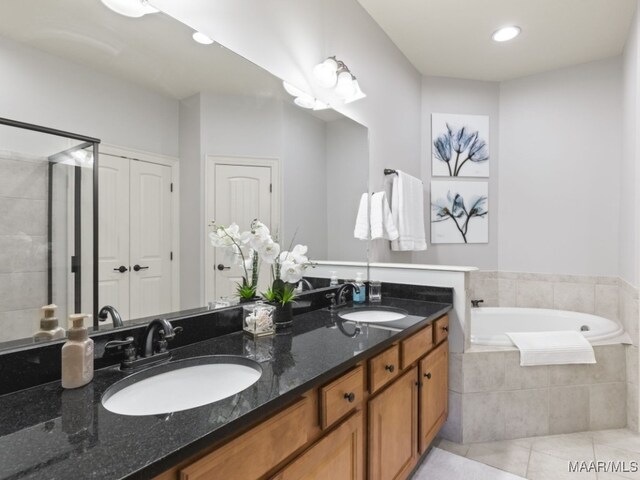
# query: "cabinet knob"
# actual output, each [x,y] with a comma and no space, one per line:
[351,397]
[428,375]
[389,368]
[445,328]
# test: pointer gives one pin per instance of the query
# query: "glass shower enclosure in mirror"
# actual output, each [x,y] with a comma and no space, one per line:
[46,227]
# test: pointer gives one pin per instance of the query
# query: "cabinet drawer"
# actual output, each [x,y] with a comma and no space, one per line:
[416,346]
[341,396]
[383,368]
[259,450]
[441,329]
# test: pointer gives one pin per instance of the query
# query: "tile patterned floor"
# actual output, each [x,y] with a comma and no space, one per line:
[547,458]
[442,465]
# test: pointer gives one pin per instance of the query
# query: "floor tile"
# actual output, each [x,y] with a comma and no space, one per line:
[452,447]
[506,456]
[569,447]
[441,465]
[622,438]
[605,453]
[547,467]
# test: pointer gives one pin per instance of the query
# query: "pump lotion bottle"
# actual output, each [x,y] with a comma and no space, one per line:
[77,354]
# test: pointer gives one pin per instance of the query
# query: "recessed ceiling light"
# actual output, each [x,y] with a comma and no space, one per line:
[506,33]
[202,38]
[130,8]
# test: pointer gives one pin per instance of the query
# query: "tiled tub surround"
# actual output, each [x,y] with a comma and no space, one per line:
[609,297]
[493,398]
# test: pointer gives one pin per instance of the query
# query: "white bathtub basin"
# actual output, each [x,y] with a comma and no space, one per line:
[489,325]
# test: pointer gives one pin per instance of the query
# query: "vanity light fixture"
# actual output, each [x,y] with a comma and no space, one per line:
[202,38]
[505,34]
[303,99]
[334,73]
[130,8]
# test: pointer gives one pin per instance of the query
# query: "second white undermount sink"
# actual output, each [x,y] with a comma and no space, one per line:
[373,314]
[181,385]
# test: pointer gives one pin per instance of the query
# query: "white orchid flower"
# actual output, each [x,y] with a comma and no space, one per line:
[269,251]
[290,272]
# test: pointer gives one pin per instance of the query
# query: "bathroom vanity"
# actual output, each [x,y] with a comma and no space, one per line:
[373,421]
[338,398]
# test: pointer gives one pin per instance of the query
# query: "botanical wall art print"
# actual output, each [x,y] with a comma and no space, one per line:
[459,145]
[459,212]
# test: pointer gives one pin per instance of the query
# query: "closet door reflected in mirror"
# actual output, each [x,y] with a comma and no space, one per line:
[136,244]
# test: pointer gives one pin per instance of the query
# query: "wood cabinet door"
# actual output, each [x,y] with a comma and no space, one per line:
[338,456]
[393,429]
[434,394]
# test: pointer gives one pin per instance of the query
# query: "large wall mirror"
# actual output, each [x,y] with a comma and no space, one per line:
[246,150]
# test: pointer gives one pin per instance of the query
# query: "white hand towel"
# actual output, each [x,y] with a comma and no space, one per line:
[382,224]
[407,210]
[552,348]
[361,230]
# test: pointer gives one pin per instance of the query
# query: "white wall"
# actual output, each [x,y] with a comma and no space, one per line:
[628,213]
[47,90]
[450,95]
[288,37]
[560,148]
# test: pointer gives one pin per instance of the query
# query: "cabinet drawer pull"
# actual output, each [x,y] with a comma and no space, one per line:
[428,375]
[351,397]
[445,328]
[389,368]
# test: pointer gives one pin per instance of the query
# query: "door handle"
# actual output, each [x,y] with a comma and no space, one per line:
[221,267]
[137,268]
[121,269]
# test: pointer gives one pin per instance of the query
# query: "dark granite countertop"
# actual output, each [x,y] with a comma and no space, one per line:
[50,433]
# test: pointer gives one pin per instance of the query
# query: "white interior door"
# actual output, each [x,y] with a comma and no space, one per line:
[113,228]
[242,193]
[150,239]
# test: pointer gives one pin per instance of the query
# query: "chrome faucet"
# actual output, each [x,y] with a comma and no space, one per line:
[306,283]
[115,316]
[341,294]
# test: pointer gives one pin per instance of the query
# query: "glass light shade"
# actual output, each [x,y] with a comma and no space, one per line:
[326,73]
[292,90]
[345,87]
[358,93]
[305,101]
[321,105]
[506,33]
[130,8]
[202,38]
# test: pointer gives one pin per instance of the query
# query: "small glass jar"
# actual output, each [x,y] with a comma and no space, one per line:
[375,291]
[258,319]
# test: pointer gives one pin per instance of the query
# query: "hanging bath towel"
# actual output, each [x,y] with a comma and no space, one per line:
[407,209]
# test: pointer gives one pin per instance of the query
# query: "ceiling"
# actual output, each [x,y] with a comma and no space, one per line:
[154,51]
[452,38]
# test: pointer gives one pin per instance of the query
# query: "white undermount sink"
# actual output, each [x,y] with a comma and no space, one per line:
[373,314]
[181,385]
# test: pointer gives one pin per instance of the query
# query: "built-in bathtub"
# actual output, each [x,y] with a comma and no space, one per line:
[490,325]
[492,397]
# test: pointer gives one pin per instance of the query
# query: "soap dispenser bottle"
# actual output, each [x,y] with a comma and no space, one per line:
[77,354]
[49,328]
[361,296]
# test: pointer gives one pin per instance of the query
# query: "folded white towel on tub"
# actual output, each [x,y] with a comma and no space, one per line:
[552,348]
